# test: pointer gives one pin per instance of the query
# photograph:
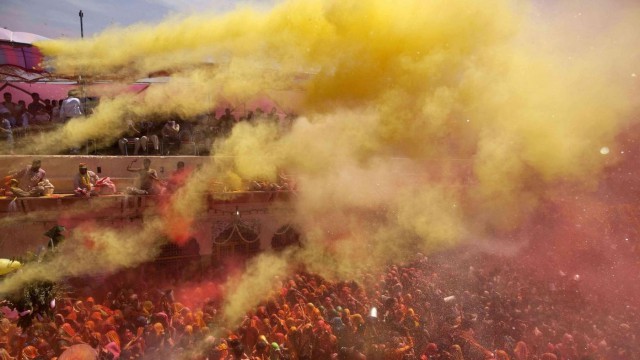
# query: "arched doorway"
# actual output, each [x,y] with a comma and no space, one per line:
[284,237]
[238,240]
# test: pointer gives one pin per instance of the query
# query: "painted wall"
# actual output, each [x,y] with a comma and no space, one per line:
[61,168]
[23,222]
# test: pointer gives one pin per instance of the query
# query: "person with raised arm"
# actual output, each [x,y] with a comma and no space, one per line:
[147,182]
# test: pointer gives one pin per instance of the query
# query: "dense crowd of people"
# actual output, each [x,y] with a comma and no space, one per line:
[431,308]
[158,137]
[39,114]
[485,307]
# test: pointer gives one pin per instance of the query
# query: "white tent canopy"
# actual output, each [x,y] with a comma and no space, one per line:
[20,37]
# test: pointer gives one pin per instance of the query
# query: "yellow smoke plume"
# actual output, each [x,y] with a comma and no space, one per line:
[395,94]
[252,285]
[90,250]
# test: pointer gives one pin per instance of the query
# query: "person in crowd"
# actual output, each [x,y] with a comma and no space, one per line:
[170,136]
[152,130]
[273,116]
[55,111]
[135,136]
[287,122]
[29,353]
[247,117]
[205,131]
[36,105]
[71,107]
[310,317]
[6,133]
[284,183]
[48,107]
[23,115]
[226,122]
[29,180]
[37,110]
[148,182]
[11,107]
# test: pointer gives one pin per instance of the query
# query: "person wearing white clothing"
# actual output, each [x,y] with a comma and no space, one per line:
[70,107]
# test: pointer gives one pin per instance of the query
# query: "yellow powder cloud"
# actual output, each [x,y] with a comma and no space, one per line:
[393,96]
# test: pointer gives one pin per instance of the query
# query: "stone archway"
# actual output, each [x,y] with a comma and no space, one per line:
[238,240]
[284,237]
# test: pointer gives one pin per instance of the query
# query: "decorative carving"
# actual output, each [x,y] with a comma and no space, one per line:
[238,230]
[285,236]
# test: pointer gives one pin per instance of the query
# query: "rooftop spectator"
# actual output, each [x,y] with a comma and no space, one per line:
[135,136]
[36,106]
[48,106]
[6,133]
[170,137]
[273,116]
[226,122]
[55,110]
[70,107]
[11,107]
[23,114]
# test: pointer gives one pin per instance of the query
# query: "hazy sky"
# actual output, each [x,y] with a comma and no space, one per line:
[60,18]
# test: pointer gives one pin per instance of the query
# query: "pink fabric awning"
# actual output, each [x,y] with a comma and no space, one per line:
[19,59]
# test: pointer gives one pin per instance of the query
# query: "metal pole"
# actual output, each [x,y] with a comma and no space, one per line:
[83,96]
[83,99]
[81,14]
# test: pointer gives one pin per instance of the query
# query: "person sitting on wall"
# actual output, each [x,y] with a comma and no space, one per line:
[16,190]
[29,181]
[87,183]
[178,178]
[148,182]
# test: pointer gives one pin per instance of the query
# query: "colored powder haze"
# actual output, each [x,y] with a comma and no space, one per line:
[423,125]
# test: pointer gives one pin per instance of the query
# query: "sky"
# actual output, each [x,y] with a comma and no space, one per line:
[54,19]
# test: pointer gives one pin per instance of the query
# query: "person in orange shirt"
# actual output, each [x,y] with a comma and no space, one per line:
[398,348]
